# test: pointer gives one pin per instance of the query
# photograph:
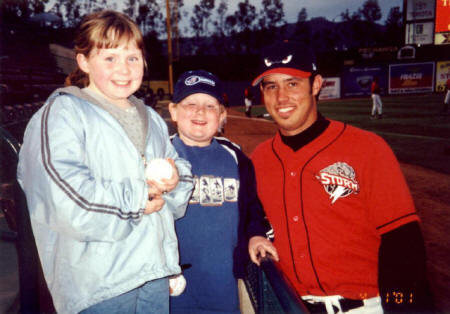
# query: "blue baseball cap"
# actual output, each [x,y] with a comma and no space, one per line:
[286,57]
[198,81]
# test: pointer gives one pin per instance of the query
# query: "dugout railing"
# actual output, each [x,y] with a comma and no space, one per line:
[270,291]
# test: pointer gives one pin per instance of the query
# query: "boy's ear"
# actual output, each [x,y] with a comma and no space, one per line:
[173,111]
[223,116]
[82,62]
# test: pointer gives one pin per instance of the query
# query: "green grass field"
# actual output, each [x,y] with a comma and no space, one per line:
[414,126]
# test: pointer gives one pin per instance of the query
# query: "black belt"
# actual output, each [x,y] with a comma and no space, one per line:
[346,305]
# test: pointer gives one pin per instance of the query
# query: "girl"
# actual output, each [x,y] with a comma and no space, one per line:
[104,233]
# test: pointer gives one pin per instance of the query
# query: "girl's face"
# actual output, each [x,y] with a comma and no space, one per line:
[114,73]
[198,118]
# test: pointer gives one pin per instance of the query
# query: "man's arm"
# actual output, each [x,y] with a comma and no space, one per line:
[402,271]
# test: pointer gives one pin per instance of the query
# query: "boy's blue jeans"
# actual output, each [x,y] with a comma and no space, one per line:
[152,297]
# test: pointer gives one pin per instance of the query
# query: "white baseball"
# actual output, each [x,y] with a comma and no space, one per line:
[177,284]
[158,169]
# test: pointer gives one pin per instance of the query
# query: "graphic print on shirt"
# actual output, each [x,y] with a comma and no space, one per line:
[213,191]
[339,180]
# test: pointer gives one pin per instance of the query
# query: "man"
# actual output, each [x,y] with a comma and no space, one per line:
[346,231]
[377,105]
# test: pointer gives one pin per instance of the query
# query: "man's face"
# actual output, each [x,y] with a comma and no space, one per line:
[291,101]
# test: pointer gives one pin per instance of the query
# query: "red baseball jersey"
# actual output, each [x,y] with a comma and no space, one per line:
[374,88]
[329,203]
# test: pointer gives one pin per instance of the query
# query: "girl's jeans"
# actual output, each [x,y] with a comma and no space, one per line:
[152,297]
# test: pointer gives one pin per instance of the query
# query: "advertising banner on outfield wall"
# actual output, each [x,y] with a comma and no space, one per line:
[331,88]
[442,74]
[419,33]
[442,16]
[442,38]
[419,10]
[356,81]
[411,78]
[442,30]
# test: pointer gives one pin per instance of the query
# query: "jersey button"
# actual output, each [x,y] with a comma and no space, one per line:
[292,174]
[295,218]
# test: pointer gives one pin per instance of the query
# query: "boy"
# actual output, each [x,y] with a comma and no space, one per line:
[224,216]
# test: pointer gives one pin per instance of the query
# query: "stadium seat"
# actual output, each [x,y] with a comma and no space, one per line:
[33,292]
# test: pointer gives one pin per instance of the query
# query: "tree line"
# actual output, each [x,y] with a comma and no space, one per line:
[211,28]
[212,25]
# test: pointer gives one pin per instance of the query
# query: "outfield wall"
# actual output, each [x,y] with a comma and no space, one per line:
[396,78]
[355,81]
[411,78]
[442,75]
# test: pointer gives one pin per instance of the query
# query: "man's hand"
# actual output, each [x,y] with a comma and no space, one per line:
[259,247]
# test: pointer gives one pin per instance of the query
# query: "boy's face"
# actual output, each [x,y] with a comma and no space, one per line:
[198,118]
[114,73]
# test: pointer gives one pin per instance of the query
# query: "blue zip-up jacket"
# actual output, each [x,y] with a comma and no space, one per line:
[86,192]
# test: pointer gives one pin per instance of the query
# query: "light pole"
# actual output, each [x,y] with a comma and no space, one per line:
[169,47]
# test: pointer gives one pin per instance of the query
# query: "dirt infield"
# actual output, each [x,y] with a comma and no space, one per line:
[430,190]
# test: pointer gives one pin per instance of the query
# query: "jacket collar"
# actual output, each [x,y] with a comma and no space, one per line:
[78,92]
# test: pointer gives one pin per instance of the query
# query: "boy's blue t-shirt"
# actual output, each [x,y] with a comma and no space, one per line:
[207,234]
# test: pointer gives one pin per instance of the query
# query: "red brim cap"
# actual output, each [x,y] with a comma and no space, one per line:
[281,70]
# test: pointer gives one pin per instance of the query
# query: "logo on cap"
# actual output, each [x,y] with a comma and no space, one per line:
[269,62]
[195,79]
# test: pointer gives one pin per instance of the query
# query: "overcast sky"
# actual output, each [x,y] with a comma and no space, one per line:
[330,9]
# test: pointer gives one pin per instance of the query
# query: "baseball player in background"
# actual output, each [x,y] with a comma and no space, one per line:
[377,104]
[346,230]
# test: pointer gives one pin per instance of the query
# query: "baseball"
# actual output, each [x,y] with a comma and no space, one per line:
[158,169]
[177,284]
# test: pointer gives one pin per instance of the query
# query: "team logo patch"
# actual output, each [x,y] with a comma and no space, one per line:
[338,180]
[195,79]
